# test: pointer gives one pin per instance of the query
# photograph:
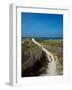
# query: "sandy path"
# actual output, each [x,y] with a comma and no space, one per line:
[51,70]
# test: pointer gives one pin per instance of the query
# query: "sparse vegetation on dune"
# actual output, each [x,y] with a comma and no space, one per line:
[53,42]
[55,47]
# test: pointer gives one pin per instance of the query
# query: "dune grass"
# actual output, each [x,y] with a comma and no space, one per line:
[55,46]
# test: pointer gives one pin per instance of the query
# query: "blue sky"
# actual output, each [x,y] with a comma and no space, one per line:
[41,25]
